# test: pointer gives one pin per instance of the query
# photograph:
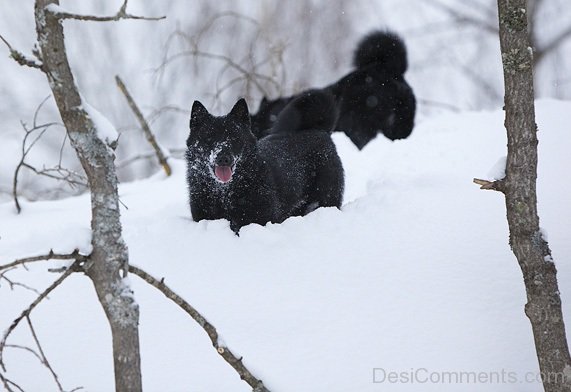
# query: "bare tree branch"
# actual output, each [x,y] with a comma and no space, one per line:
[75,255]
[221,349]
[43,358]
[248,68]
[72,268]
[69,176]
[497,185]
[13,284]
[25,151]
[225,14]
[144,126]
[21,58]
[121,14]
[58,172]
[249,75]
[8,384]
[24,348]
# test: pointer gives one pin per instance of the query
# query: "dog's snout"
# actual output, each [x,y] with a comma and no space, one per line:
[224,160]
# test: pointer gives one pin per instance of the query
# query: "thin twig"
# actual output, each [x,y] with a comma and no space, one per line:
[69,176]
[25,348]
[121,14]
[229,62]
[221,349]
[145,126]
[8,384]
[75,255]
[76,266]
[72,178]
[25,151]
[43,359]
[13,284]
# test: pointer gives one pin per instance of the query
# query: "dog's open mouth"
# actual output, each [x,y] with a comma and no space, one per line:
[223,173]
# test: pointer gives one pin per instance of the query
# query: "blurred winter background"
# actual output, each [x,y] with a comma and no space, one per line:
[218,51]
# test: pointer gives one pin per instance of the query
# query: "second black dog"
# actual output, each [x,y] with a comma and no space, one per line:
[374,98]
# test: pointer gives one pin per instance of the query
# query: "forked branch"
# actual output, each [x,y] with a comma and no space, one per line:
[76,266]
[121,14]
[21,58]
[236,363]
[75,255]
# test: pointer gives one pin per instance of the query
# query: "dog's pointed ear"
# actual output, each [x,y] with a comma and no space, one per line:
[240,112]
[198,113]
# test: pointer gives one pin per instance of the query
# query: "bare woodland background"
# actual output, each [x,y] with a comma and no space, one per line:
[255,48]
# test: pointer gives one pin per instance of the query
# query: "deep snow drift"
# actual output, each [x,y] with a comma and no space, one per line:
[414,275]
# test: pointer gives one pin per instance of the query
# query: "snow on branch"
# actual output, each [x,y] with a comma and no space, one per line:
[60,13]
[224,351]
[20,58]
[104,129]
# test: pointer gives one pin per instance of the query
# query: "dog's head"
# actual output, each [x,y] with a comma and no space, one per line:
[218,143]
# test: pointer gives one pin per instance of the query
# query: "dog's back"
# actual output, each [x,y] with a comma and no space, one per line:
[306,169]
[303,159]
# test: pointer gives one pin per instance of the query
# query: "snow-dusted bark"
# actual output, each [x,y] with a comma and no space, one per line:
[519,186]
[109,259]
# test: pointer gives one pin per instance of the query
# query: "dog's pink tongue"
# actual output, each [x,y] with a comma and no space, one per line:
[224,173]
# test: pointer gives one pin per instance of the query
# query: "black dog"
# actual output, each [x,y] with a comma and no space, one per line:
[374,98]
[232,175]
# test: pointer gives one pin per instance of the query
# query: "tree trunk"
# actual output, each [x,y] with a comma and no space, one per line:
[543,306]
[109,258]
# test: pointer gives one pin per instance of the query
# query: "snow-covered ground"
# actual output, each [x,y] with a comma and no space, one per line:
[413,275]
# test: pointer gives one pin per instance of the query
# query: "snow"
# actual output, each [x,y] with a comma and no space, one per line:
[105,130]
[54,9]
[413,276]
[498,171]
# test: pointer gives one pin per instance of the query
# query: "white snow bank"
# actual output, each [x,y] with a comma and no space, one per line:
[415,273]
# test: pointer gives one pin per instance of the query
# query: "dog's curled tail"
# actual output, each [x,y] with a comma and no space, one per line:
[384,49]
[310,110]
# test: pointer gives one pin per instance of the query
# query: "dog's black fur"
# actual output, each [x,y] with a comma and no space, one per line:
[374,98]
[233,176]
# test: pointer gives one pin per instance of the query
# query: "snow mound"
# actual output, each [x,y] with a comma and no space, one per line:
[414,275]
